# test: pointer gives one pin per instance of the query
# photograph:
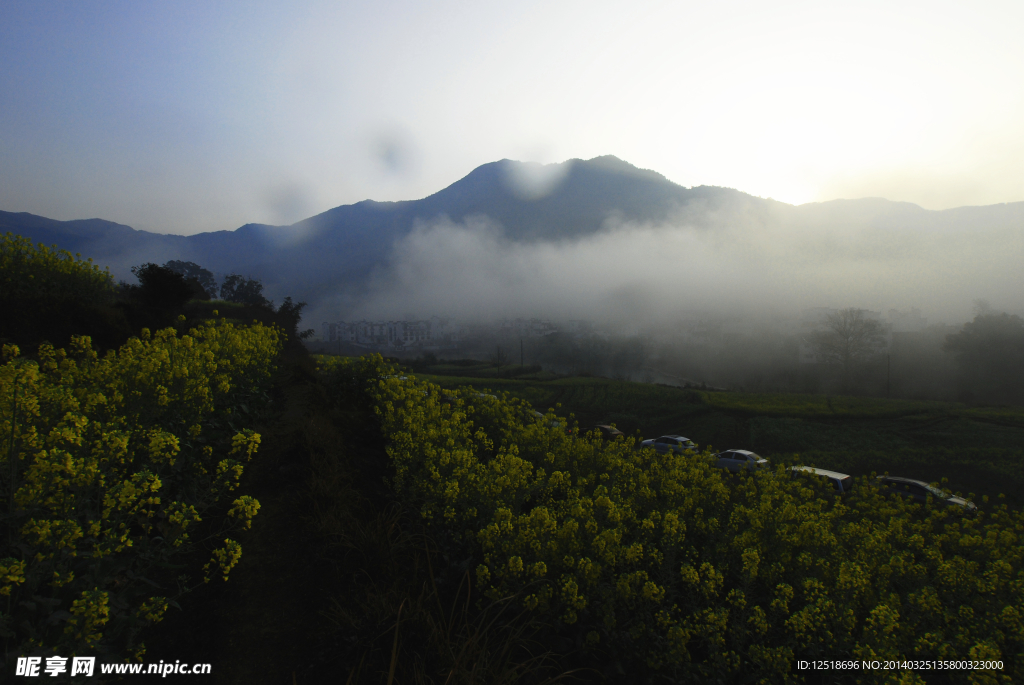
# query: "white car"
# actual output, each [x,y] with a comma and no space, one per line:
[553,423]
[840,481]
[920,491]
[670,443]
[739,460]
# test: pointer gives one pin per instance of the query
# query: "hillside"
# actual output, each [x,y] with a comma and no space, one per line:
[340,247]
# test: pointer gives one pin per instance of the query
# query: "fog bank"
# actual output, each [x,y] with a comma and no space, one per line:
[774,264]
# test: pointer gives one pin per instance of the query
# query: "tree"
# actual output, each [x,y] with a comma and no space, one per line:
[499,358]
[849,337]
[158,299]
[161,288]
[243,291]
[193,272]
[990,354]
[291,313]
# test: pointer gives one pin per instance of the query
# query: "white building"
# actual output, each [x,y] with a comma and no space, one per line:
[433,333]
[526,328]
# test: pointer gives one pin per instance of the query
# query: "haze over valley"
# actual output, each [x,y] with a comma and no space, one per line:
[600,240]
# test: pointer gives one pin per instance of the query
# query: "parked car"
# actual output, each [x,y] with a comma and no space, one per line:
[738,460]
[919,491]
[841,482]
[443,397]
[670,443]
[607,432]
[553,423]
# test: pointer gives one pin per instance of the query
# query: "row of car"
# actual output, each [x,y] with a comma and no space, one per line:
[742,460]
[908,488]
[736,460]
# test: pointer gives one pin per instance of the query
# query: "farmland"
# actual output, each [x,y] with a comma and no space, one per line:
[660,565]
[386,503]
[979,449]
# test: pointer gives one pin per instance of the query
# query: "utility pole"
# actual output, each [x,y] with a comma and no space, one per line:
[888,373]
[521,358]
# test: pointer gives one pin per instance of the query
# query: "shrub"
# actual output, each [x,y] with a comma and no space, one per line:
[113,469]
[48,294]
[665,564]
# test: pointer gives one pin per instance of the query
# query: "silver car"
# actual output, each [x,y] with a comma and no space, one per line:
[919,491]
[841,482]
[740,460]
[670,443]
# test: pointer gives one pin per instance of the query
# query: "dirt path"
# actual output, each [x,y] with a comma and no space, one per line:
[265,625]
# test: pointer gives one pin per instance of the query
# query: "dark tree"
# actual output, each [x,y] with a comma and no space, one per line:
[989,352]
[849,337]
[161,288]
[203,278]
[290,313]
[243,291]
[158,299]
[499,358]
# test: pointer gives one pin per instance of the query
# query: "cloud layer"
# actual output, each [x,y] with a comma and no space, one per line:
[748,266]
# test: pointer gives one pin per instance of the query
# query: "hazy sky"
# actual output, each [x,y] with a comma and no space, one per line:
[190,116]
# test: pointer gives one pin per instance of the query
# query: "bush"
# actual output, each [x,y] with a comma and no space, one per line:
[48,294]
[663,564]
[116,467]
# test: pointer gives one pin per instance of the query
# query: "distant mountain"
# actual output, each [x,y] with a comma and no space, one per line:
[340,247]
[336,251]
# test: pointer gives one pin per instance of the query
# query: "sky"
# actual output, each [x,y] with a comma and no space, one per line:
[182,117]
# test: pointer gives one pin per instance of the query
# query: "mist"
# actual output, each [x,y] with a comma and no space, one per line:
[734,264]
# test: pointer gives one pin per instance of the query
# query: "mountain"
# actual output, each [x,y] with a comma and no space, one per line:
[339,250]
[342,246]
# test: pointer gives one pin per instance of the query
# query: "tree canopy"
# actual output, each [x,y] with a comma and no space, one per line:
[193,272]
[162,288]
[990,353]
[849,337]
[236,288]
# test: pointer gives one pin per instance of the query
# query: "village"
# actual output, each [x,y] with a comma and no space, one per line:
[443,334]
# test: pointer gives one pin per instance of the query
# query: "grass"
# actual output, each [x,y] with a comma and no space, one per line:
[1012,416]
[821,406]
[631,406]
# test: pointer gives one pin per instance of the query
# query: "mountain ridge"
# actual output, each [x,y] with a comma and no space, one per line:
[339,249]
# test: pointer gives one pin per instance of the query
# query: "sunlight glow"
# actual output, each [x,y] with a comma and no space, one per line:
[203,121]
